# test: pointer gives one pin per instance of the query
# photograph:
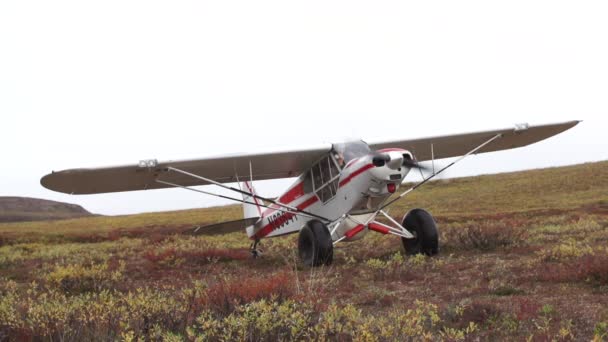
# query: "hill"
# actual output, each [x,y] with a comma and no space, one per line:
[523,257]
[18,209]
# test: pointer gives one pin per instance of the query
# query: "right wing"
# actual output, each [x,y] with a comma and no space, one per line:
[222,169]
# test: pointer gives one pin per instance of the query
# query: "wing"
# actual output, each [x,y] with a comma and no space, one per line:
[459,144]
[223,169]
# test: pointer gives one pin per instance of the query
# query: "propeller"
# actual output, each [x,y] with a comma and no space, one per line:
[380,159]
[409,163]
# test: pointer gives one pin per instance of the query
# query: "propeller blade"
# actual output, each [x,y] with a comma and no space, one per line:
[414,165]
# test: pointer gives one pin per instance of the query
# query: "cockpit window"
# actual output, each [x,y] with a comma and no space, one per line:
[351,150]
[324,176]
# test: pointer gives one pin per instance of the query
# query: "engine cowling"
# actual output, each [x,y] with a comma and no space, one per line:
[389,171]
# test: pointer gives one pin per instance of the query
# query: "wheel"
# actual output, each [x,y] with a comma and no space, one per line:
[315,245]
[422,225]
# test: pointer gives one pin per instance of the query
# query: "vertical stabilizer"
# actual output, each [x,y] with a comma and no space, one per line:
[250,210]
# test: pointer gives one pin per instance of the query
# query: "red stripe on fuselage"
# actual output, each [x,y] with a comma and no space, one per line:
[291,195]
[294,194]
[355,174]
[283,218]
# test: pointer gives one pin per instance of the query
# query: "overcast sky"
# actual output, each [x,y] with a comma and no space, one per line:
[92,83]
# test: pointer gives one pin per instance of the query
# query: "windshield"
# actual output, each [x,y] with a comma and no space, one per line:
[352,149]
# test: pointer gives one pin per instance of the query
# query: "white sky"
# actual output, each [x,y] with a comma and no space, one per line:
[90,83]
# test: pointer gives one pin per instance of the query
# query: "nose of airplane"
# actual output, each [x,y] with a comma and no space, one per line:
[380,159]
[395,161]
[392,160]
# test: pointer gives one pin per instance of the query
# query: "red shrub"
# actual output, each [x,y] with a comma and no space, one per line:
[114,235]
[593,268]
[225,254]
[204,256]
[589,268]
[527,309]
[478,312]
[225,295]
[157,237]
[158,257]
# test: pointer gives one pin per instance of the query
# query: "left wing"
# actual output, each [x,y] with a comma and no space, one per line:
[222,169]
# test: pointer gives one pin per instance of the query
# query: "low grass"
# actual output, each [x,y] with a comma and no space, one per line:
[523,257]
[543,190]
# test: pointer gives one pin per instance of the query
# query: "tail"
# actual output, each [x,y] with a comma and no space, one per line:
[251,210]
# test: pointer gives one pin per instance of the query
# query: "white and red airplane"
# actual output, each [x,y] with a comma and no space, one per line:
[340,191]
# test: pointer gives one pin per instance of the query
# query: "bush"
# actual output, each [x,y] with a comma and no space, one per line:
[226,295]
[590,268]
[79,278]
[600,331]
[9,299]
[171,313]
[396,267]
[461,315]
[216,255]
[566,250]
[484,236]
[527,309]
[291,320]
[175,256]
[144,314]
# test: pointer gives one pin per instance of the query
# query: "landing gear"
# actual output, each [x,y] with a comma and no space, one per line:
[255,253]
[315,245]
[422,225]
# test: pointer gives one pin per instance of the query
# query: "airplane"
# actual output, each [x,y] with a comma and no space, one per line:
[340,193]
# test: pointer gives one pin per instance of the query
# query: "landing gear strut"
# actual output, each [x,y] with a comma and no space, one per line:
[255,253]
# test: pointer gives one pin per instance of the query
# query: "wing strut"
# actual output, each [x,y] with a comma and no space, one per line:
[424,181]
[229,198]
[287,207]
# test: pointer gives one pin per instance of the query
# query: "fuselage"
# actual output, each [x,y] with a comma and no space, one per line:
[348,181]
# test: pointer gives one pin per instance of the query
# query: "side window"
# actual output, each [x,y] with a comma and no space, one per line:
[326,176]
[308,188]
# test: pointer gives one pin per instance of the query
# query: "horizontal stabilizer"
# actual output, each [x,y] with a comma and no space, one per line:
[225,227]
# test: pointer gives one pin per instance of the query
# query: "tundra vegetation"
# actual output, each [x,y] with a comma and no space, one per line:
[524,256]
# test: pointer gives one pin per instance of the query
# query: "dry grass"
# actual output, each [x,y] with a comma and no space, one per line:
[522,258]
